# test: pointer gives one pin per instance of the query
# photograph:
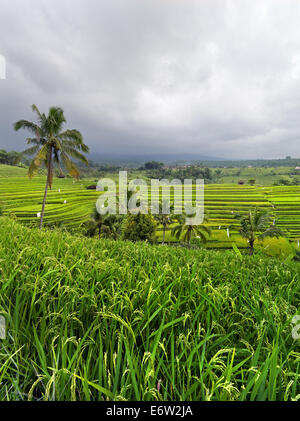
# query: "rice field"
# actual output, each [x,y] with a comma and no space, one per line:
[112,320]
[69,204]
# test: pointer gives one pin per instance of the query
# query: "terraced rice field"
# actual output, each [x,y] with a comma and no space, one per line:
[70,203]
[223,201]
[286,202]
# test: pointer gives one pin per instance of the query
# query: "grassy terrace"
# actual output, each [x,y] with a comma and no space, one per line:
[23,197]
[90,320]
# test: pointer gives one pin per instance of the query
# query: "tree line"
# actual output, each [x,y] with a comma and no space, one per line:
[10,158]
[158,170]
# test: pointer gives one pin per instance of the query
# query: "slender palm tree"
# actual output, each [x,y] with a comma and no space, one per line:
[52,144]
[189,231]
[257,224]
[165,219]
[102,224]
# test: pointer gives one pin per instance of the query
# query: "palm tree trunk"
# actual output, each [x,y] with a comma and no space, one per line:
[99,231]
[46,187]
[189,236]
[251,250]
[164,235]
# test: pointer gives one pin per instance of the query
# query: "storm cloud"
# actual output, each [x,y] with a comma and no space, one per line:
[204,77]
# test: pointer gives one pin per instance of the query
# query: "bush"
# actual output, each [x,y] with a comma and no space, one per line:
[139,227]
[276,247]
[297,256]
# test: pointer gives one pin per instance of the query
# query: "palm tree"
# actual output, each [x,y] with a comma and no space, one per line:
[257,224]
[51,144]
[190,231]
[164,219]
[102,224]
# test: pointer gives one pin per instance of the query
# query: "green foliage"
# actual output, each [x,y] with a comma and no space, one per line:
[276,247]
[256,224]
[103,225]
[52,144]
[139,227]
[153,165]
[257,163]
[283,182]
[159,171]
[102,320]
[9,171]
[10,158]
[297,256]
[187,232]
[22,197]
[165,219]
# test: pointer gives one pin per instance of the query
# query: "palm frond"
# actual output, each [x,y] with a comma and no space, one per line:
[75,154]
[72,135]
[70,166]
[48,134]
[41,117]
[29,125]
[33,169]
[31,151]
[204,228]
[42,155]
[262,221]
[56,155]
[271,232]
[177,231]
[55,120]
[73,138]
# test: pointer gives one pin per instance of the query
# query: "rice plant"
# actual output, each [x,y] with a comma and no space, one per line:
[91,319]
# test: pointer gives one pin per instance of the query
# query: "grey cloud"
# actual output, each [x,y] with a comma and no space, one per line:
[214,77]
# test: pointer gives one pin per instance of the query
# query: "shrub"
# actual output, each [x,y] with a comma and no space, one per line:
[139,227]
[276,247]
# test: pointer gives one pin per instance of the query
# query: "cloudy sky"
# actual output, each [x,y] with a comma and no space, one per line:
[217,78]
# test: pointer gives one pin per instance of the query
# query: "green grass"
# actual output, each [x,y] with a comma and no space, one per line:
[94,320]
[262,176]
[7,171]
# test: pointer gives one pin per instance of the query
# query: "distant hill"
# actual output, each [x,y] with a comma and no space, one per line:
[258,163]
[209,161]
[138,160]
